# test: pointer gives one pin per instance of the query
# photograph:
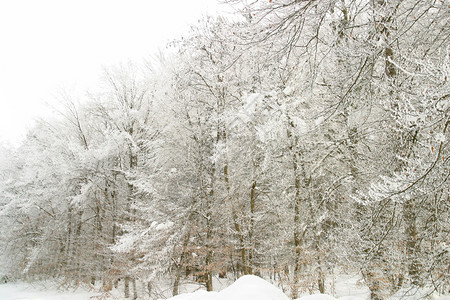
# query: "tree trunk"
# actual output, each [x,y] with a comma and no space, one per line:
[149,289]
[409,216]
[237,227]
[209,276]
[298,170]
[135,294]
[176,283]
[209,256]
[373,281]
[321,282]
[297,248]
[127,287]
[252,227]
[179,267]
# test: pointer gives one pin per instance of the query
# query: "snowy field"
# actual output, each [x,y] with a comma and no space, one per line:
[28,291]
[245,288]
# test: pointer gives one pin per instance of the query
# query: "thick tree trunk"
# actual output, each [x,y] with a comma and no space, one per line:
[321,281]
[209,274]
[176,284]
[179,267]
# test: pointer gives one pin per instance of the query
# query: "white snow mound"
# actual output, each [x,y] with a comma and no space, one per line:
[251,287]
[245,288]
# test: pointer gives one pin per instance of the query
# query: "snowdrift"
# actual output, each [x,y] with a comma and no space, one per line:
[245,288]
[251,287]
[248,287]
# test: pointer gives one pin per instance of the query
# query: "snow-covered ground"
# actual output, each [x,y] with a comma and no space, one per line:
[245,288]
[42,291]
[254,288]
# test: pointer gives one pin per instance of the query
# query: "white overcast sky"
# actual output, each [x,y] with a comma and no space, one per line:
[49,44]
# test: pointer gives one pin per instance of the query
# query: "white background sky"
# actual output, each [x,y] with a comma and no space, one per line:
[49,44]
